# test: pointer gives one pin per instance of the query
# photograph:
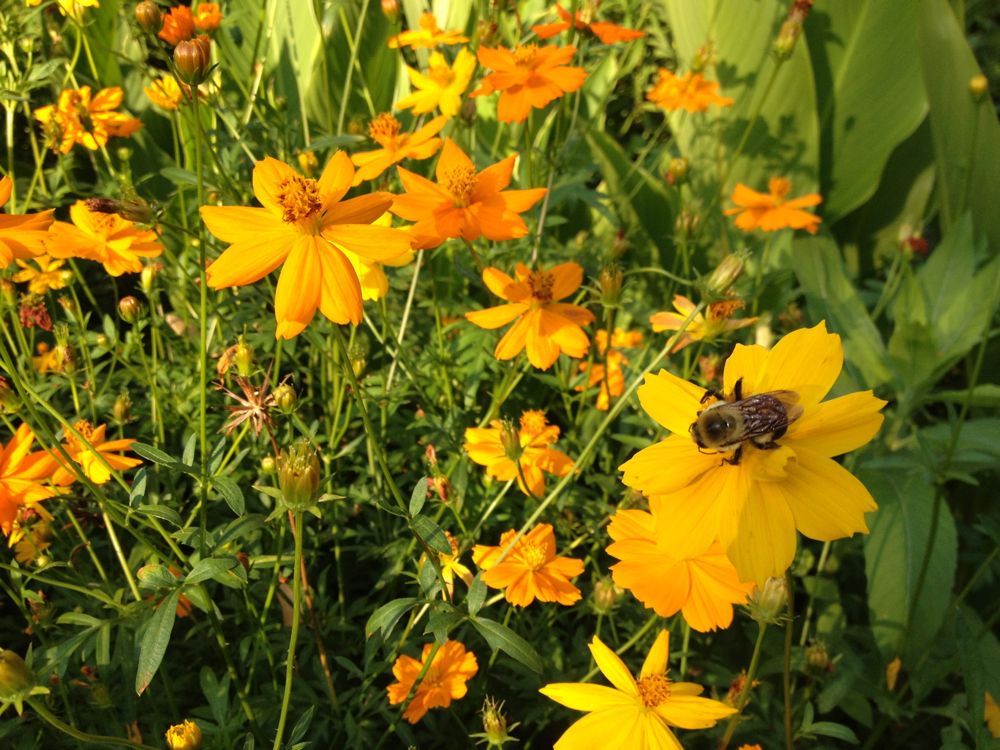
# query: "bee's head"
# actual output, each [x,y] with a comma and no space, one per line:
[714,427]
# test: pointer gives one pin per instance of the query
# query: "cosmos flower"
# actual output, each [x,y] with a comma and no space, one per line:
[531,570]
[463,203]
[545,326]
[610,361]
[428,36]
[501,447]
[444,681]
[770,211]
[178,25]
[371,275]
[165,92]
[715,323]
[47,274]
[21,237]
[668,576]
[754,498]
[92,453]
[89,121]
[528,77]
[22,473]
[396,146]
[609,33]
[690,92]
[207,17]
[634,714]
[114,242]
[441,86]
[302,224]
[452,566]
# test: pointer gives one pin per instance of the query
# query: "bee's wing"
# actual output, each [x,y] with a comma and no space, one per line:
[790,400]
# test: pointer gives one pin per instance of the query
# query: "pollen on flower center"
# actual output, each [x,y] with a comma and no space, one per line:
[779,187]
[383,128]
[86,431]
[526,55]
[442,75]
[298,198]
[541,284]
[460,182]
[533,555]
[654,689]
[533,422]
[723,310]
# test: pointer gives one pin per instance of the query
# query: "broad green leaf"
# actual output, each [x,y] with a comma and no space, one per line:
[869,103]
[431,534]
[155,640]
[209,568]
[894,556]
[384,618]
[979,652]
[476,596]
[155,455]
[966,132]
[418,497]
[503,638]
[231,493]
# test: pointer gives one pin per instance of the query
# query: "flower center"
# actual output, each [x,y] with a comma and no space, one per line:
[526,55]
[779,187]
[432,678]
[298,198]
[654,689]
[460,182]
[86,431]
[719,311]
[384,129]
[442,75]
[533,555]
[533,422]
[541,284]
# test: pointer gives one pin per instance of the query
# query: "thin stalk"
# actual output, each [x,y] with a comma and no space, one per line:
[786,672]
[296,616]
[403,321]
[91,739]
[744,696]
[346,93]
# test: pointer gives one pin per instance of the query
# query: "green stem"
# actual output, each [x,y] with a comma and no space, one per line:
[786,672]
[744,696]
[93,739]
[346,93]
[296,609]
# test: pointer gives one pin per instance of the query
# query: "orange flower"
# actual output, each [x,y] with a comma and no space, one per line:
[716,322]
[690,92]
[429,35]
[770,211]
[608,33]
[544,325]
[207,17]
[444,681]
[303,224]
[112,241]
[614,383]
[464,203]
[531,570]
[522,454]
[384,130]
[79,119]
[529,77]
[21,237]
[91,453]
[21,475]
[178,25]
[669,576]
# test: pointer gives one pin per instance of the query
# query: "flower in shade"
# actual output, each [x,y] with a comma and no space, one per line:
[89,121]
[178,25]
[770,211]
[607,372]
[429,35]
[531,570]
[444,681]
[716,322]
[20,236]
[22,476]
[667,575]
[753,496]
[116,243]
[463,203]
[184,736]
[452,566]
[690,92]
[991,713]
[165,92]
[96,457]
[302,224]
[396,146]
[207,17]
[441,86]
[609,33]
[637,714]
[528,77]
[45,275]
[543,325]
[524,454]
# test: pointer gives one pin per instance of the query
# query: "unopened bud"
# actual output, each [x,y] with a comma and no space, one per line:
[725,274]
[687,222]
[767,605]
[122,409]
[390,9]
[17,683]
[619,245]
[193,58]
[186,736]
[791,29]
[510,439]
[285,397]
[979,87]
[148,275]
[606,595]
[149,16]
[677,172]
[468,112]
[267,465]
[817,656]
[8,292]
[495,728]
[130,309]
[243,358]
[299,476]
[308,162]
[610,282]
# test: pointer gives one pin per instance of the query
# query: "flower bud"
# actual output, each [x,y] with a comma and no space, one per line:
[16,680]
[308,162]
[510,439]
[610,282]
[495,729]
[148,275]
[677,172]
[606,596]
[130,309]
[9,402]
[122,409]
[298,476]
[979,87]
[726,274]
[186,736]
[390,9]
[817,656]
[267,465]
[285,397]
[149,16]
[193,58]
[468,112]
[767,605]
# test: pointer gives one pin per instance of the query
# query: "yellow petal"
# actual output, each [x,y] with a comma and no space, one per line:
[826,500]
[340,290]
[610,729]
[673,402]
[248,261]
[380,244]
[297,295]
[692,712]
[744,364]
[838,426]
[239,223]
[667,466]
[659,653]
[763,536]
[495,317]
[613,667]
[808,361]
[581,696]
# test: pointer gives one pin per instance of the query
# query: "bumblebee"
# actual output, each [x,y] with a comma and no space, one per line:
[760,419]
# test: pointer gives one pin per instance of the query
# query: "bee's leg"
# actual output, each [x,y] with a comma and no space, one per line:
[734,460]
[738,390]
[709,394]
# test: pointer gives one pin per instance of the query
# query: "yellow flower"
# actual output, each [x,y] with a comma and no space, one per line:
[302,225]
[441,86]
[186,736]
[429,35]
[114,242]
[165,92]
[32,542]
[992,715]
[452,567]
[79,118]
[668,576]
[634,714]
[92,453]
[715,323]
[371,277]
[614,383]
[753,488]
[444,681]
[72,8]
[396,146]
[770,211]
[531,570]
[21,475]
[48,275]
[486,446]
[20,236]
